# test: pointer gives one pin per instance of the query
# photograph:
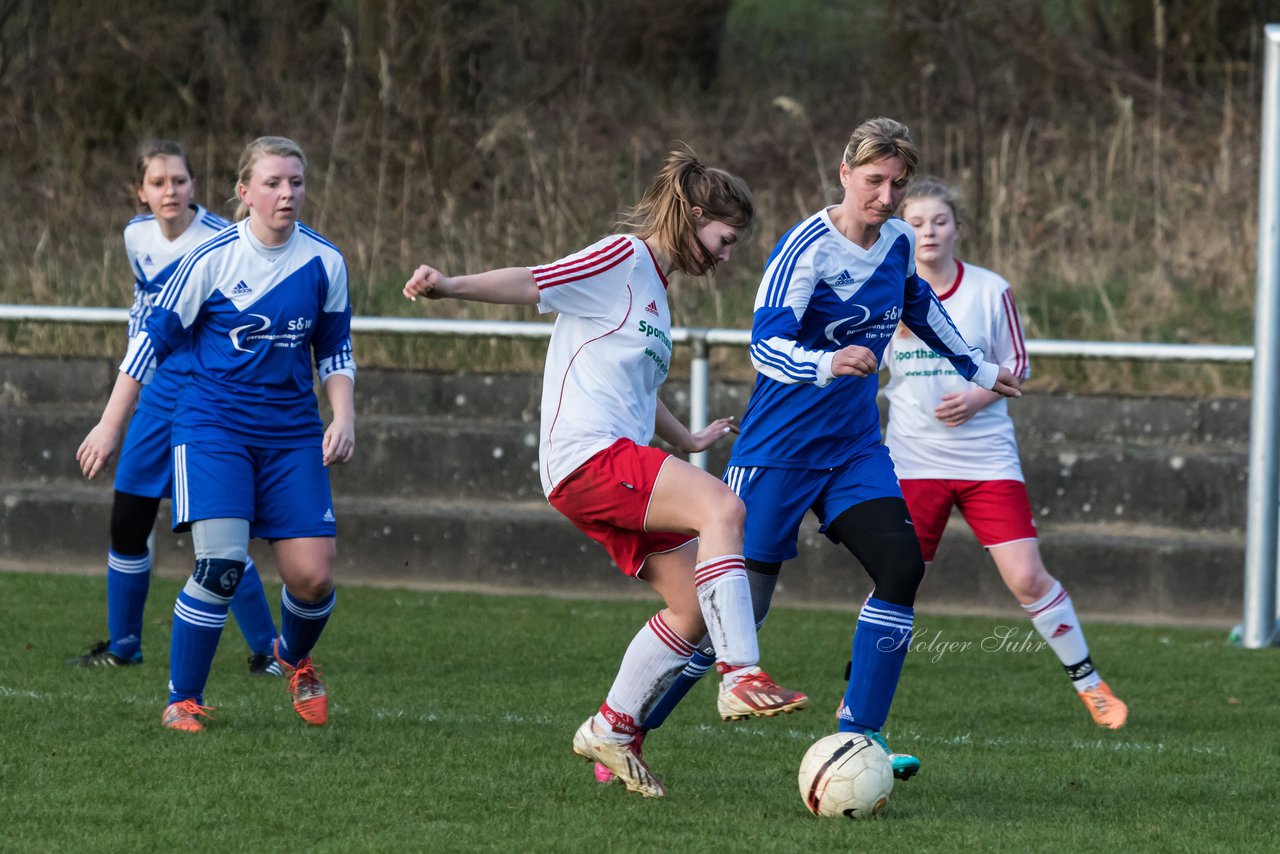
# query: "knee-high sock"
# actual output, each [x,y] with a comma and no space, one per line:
[197,625]
[652,660]
[698,665]
[252,613]
[725,597]
[880,645]
[1055,619]
[301,624]
[762,586]
[128,579]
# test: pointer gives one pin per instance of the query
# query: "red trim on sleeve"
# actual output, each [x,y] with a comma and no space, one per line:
[1022,365]
[600,261]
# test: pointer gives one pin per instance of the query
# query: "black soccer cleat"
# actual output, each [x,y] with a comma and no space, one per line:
[261,664]
[100,655]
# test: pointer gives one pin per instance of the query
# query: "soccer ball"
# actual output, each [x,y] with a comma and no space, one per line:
[846,774]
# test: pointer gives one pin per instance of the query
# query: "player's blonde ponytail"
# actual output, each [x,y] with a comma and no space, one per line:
[264,146]
[664,213]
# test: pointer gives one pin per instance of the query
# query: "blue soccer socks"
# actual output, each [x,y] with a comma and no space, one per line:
[880,645]
[252,613]
[301,624]
[197,626]
[128,579]
[699,664]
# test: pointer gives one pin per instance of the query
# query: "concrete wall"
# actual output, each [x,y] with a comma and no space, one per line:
[1140,502]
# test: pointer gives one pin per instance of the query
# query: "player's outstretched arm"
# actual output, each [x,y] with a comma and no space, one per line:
[507,286]
[104,439]
[670,429]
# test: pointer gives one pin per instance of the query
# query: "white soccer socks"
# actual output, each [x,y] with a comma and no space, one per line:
[1054,617]
[652,661]
[725,597]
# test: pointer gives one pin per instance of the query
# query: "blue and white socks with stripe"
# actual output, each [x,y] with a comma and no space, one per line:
[128,580]
[880,645]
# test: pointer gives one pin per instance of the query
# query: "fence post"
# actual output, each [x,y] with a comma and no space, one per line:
[1264,418]
[698,382]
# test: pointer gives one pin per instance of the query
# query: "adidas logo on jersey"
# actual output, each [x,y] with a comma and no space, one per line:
[241,289]
[652,307]
[328,515]
[147,262]
[843,279]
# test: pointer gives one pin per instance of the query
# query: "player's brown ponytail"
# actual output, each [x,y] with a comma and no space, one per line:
[664,213]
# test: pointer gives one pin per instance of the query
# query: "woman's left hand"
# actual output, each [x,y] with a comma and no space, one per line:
[339,442]
[959,406]
[712,433]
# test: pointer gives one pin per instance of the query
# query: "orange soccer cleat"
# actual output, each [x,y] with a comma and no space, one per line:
[185,715]
[1107,709]
[310,699]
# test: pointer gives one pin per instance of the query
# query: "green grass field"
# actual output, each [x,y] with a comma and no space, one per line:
[452,714]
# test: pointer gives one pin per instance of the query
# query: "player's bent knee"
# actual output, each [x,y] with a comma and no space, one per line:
[311,589]
[217,576]
[132,517]
[1030,583]
[897,568]
[726,511]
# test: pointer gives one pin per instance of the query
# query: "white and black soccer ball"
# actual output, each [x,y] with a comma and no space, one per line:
[846,775]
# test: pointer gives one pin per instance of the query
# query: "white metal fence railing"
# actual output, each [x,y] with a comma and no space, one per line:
[702,341]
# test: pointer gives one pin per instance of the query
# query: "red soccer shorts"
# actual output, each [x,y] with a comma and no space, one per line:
[607,498]
[998,511]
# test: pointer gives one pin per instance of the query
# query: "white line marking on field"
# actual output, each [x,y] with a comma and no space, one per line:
[898,737]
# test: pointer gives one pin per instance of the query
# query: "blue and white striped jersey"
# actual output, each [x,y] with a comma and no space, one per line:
[821,292]
[254,316]
[153,260]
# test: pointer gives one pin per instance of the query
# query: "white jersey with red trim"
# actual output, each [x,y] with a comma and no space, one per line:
[609,352]
[981,304]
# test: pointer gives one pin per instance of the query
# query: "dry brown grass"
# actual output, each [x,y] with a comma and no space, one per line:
[1113,168]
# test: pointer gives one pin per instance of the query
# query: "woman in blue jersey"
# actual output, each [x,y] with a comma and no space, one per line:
[833,292]
[155,242]
[256,303]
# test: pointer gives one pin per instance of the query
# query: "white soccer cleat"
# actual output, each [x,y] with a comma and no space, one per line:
[619,757]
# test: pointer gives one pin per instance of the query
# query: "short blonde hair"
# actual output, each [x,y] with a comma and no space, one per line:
[264,146]
[876,139]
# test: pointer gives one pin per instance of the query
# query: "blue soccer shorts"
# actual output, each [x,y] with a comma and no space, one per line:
[777,498]
[283,492]
[144,467]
